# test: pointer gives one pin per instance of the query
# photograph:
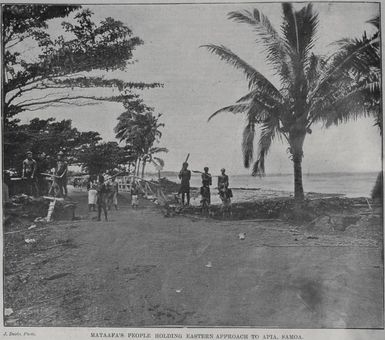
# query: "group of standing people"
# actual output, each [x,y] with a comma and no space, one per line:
[224,191]
[35,173]
[102,194]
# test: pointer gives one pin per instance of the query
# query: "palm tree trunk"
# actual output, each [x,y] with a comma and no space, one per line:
[296,148]
[143,166]
[136,168]
[298,186]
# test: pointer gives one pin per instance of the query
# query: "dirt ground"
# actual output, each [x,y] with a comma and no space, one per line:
[142,269]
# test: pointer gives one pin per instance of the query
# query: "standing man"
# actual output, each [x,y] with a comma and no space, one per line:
[29,173]
[102,197]
[225,193]
[184,176]
[42,167]
[207,181]
[205,189]
[61,173]
[223,180]
[115,189]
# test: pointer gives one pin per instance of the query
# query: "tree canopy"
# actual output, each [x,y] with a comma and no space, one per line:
[46,135]
[64,62]
[101,158]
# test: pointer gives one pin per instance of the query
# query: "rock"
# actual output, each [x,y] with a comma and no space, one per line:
[242,236]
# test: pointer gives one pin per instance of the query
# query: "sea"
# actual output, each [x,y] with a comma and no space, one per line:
[348,184]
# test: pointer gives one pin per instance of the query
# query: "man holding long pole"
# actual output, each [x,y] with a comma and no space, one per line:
[184,176]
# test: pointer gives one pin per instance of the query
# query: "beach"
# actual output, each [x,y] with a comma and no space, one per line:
[247,188]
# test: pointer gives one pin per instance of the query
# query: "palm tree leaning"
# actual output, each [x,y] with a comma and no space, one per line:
[310,90]
[150,158]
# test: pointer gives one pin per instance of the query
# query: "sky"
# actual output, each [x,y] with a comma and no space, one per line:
[197,83]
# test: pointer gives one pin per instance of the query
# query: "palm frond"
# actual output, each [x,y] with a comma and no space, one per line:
[299,29]
[159,161]
[269,131]
[347,105]
[248,144]
[255,78]
[238,108]
[276,48]
[156,149]
[266,99]
[375,22]
[358,56]
[314,69]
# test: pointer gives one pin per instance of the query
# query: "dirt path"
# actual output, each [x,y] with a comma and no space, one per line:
[141,269]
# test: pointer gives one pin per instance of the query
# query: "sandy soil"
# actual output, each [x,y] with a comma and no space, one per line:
[142,269]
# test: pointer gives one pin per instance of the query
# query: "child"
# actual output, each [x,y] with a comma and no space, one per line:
[134,196]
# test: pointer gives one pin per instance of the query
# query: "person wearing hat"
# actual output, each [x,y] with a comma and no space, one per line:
[184,176]
[29,174]
[61,173]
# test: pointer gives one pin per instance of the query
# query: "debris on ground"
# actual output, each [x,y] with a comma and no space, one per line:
[30,240]
[242,236]
[56,276]
[8,311]
[209,265]
[33,226]
[315,211]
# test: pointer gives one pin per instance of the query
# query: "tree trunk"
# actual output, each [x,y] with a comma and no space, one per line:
[377,189]
[298,186]
[138,168]
[296,150]
[143,166]
[158,174]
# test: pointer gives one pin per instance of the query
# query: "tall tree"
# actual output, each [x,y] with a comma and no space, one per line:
[309,90]
[139,128]
[63,63]
[151,158]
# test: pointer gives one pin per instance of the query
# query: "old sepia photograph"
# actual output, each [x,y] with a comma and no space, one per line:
[192,165]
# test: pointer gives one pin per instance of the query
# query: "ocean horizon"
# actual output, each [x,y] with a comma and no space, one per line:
[350,184]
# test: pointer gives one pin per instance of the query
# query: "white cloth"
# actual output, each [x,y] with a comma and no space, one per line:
[134,200]
[92,196]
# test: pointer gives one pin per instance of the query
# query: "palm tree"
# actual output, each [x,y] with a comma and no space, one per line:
[360,60]
[140,131]
[309,91]
[150,158]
